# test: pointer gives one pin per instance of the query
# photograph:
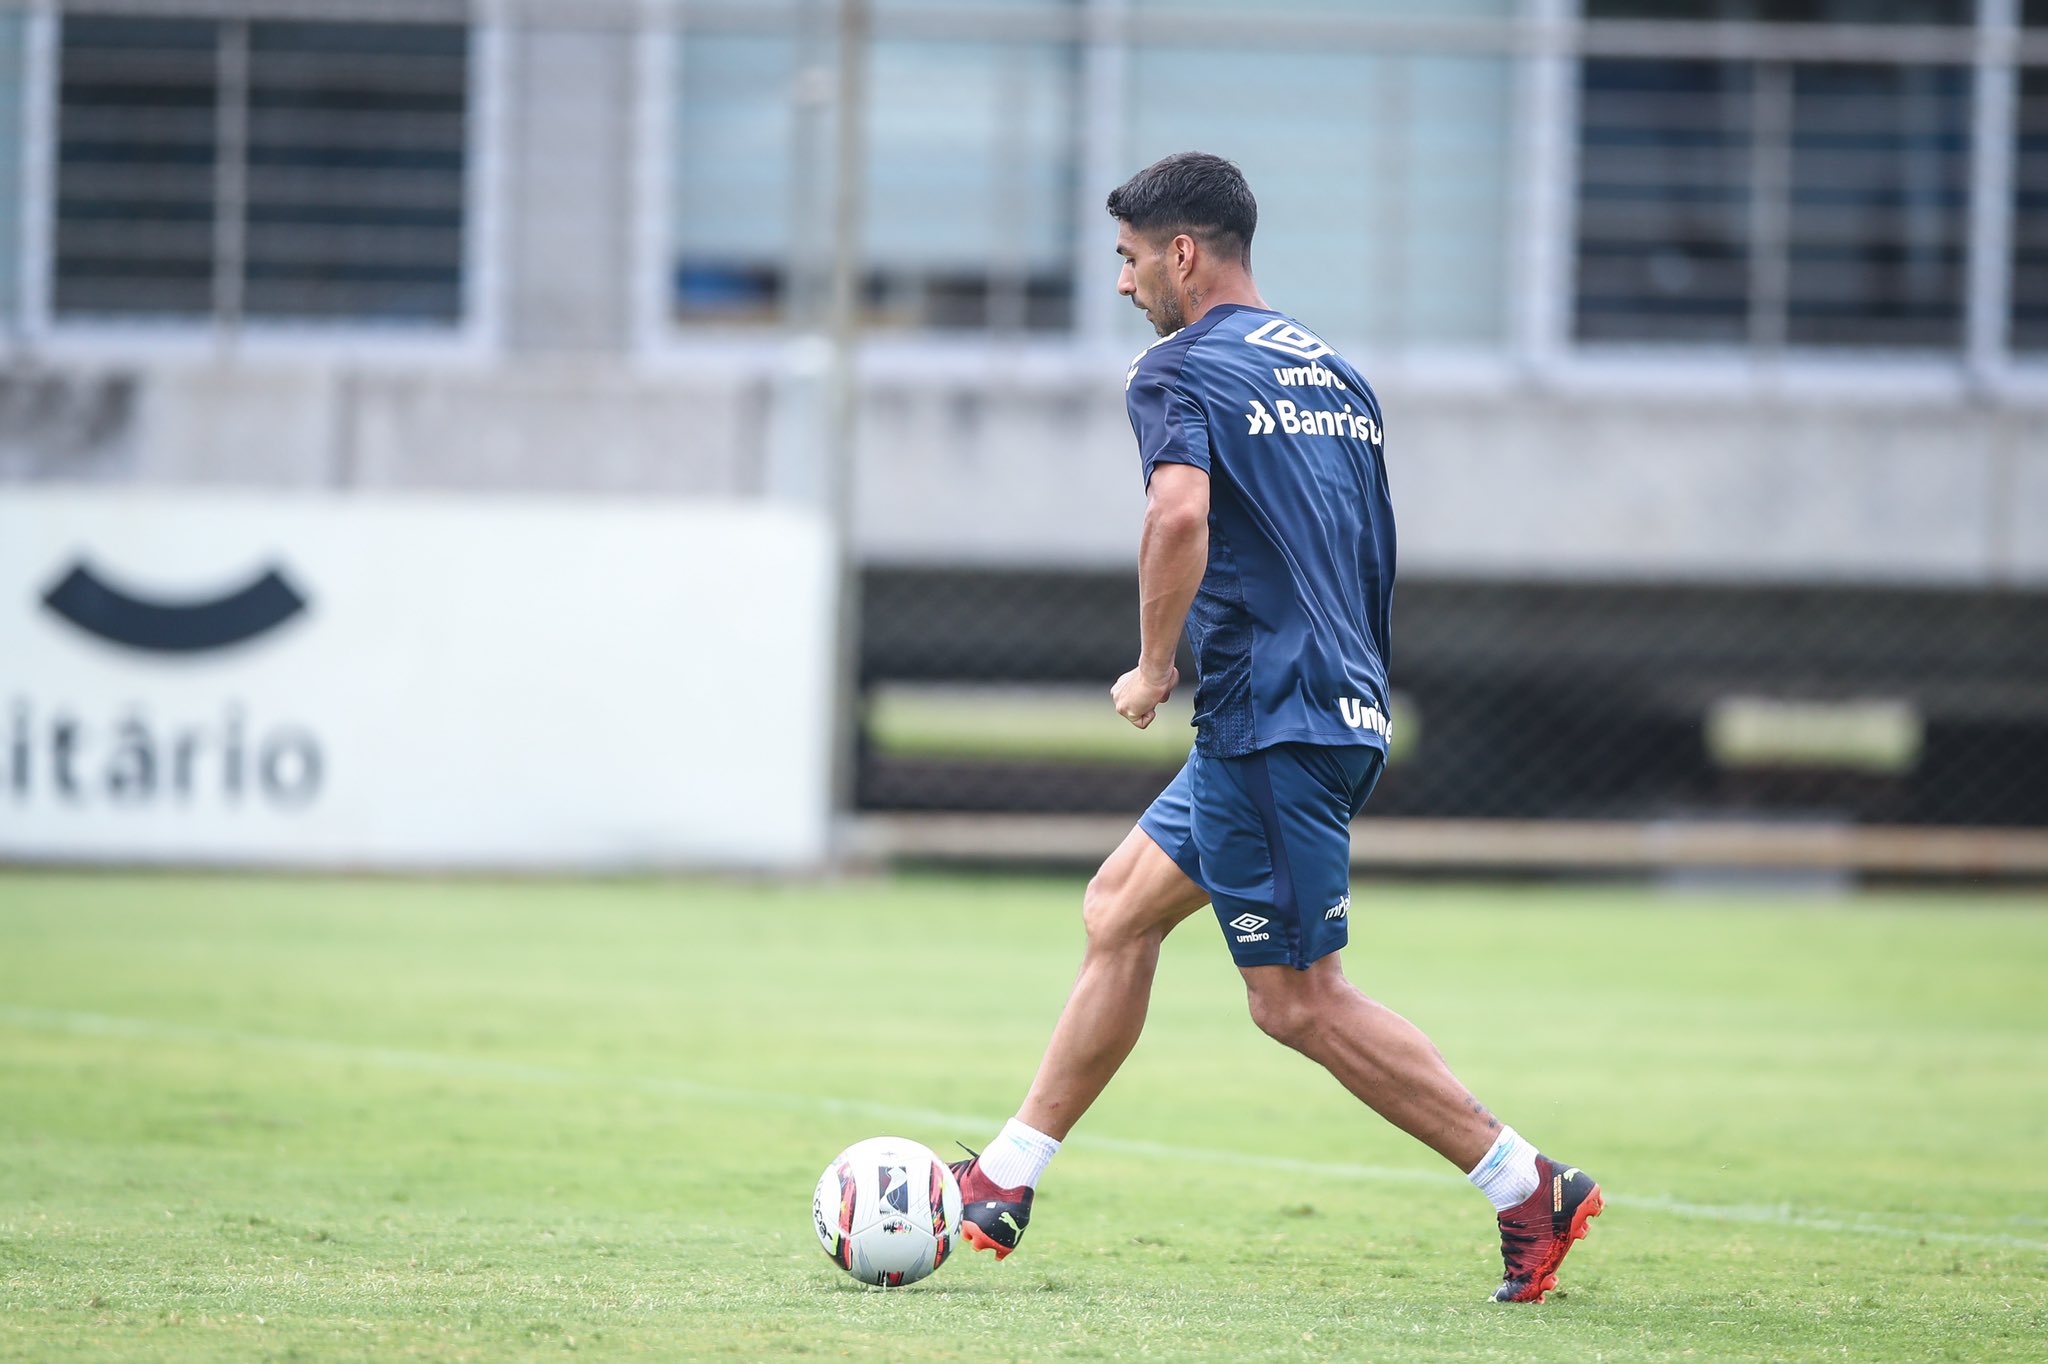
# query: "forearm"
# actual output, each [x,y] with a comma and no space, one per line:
[1173,554]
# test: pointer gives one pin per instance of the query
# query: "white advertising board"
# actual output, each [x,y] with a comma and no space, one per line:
[412,682]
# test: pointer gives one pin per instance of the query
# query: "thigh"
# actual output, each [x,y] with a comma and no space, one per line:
[1140,891]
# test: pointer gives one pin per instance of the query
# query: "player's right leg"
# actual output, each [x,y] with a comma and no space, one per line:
[1132,903]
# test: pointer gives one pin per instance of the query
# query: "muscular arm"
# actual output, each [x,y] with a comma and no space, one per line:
[1173,553]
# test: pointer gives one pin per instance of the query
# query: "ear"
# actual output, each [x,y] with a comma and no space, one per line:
[1184,252]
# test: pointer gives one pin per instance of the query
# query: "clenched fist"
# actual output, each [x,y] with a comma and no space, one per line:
[1137,693]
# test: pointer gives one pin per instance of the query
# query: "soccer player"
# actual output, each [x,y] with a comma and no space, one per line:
[1269,532]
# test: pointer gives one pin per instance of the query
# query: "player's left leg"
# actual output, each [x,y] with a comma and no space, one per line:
[1279,867]
[1543,1206]
[1274,833]
[1382,1058]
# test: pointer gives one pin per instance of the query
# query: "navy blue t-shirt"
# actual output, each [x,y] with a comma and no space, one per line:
[1290,627]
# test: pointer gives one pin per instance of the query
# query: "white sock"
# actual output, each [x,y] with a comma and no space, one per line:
[1506,1174]
[1019,1155]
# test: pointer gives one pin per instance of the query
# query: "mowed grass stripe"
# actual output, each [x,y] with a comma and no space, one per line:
[476,1068]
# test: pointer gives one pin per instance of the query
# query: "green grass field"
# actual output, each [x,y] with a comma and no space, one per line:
[276,1119]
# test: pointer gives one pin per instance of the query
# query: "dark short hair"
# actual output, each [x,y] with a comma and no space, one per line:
[1197,193]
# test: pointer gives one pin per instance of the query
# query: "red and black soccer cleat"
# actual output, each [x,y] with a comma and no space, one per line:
[991,1217]
[1536,1233]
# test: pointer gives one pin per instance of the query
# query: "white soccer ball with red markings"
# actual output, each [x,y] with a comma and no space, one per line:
[887,1211]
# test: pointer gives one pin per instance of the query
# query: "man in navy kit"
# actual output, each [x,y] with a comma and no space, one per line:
[1269,533]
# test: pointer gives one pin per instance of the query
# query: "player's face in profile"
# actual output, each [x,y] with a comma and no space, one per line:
[1143,280]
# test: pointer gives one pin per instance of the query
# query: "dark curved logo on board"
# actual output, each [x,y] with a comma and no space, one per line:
[106,612]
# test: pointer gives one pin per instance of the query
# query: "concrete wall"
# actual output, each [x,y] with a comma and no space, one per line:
[1530,481]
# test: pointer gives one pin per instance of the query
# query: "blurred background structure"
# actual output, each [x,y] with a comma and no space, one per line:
[1713,339]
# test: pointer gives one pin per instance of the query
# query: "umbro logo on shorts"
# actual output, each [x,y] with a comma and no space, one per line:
[1248,926]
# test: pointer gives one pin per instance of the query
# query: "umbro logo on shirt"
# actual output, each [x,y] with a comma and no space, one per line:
[1309,376]
[1288,339]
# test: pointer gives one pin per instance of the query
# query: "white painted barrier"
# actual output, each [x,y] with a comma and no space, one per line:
[412,682]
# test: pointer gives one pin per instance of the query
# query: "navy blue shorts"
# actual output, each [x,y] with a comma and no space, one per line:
[1268,836]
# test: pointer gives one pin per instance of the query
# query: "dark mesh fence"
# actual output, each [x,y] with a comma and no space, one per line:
[988,691]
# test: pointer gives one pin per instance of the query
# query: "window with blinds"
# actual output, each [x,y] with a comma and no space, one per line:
[13,93]
[226,170]
[1931,12]
[1780,203]
[2030,214]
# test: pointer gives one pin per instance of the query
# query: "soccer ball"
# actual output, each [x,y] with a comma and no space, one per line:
[887,1211]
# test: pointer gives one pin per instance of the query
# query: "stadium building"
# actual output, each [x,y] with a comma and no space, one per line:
[1712,337]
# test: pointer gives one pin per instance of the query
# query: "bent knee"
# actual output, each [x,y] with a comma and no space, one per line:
[1285,1015]
[1113,918]
[1287,1005]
